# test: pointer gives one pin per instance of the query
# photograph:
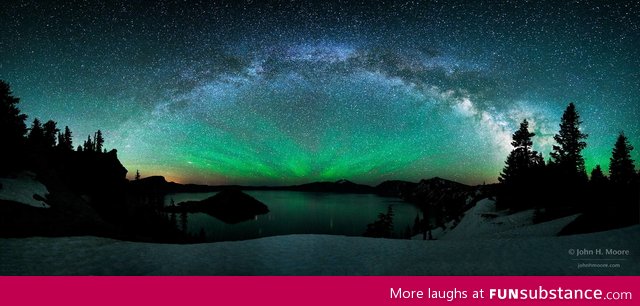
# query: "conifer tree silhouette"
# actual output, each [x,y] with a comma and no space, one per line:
[88,145]
[98,141]
[68,139]
[12,128]
[522,170]
[60,140]
[621,168]
[50,132]
[597,176]
[567,154]
[35,139]
[383,227]
[522,158]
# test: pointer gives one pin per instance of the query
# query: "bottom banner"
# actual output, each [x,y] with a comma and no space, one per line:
[366,290]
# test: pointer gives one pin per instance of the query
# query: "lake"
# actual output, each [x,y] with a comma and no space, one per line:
[293,212]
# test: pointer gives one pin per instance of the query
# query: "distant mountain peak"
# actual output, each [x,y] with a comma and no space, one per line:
[343,181]
[439,180]
[342,186]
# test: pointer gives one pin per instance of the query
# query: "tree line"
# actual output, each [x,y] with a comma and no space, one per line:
[21,140]
[527,181]
[48,136]
[566,158]
[87,189]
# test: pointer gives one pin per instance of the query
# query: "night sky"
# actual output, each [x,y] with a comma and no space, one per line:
[263,92]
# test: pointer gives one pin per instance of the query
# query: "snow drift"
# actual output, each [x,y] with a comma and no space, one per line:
[317,255]
[22,189]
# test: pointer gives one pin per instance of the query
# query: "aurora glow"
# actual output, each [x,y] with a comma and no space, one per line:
[255,92]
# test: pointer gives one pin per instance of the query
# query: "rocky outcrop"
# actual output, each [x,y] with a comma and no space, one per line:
[82,172]
[442,199]
[437,190]
[399,189]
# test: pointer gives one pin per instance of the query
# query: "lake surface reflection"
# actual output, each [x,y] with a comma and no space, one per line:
[293,212]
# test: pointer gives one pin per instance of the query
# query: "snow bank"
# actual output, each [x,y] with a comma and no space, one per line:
[483,221]
[545,229]
[22,189]
[317,255]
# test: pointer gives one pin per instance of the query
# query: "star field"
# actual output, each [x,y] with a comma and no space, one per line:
[280,92]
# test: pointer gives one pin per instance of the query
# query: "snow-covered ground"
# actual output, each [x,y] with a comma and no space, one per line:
[22,188]
[319,255]
[483,221]
[485,242]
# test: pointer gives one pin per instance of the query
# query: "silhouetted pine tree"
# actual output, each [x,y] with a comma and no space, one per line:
[567,154]
[621,169]
[521,159]
[35,140]
[50,130]
[597,176]
[88,145]
[137,175]
[522,170]
[79,149]
[99,141]
[598,191]
[383,227]
[60,140]
[12,129]
[65,141]
[68,138]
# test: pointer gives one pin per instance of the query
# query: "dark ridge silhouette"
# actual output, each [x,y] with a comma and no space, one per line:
[435,190]
[422,192]
[395,188]
[230,206]
[158,184]
[99,177]
[154,184]
[340,186]
[440,200]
